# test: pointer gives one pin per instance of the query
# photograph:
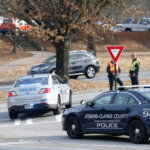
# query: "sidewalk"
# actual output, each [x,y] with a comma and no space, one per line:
[37,57]
[14,69]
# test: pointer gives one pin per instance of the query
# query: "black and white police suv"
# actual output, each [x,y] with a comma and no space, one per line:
[119,112]
[38,92]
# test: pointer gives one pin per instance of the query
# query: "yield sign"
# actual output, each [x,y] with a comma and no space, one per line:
[115,52]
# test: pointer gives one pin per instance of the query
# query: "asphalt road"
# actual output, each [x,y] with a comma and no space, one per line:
[44,132]
[144,74]
[99,77]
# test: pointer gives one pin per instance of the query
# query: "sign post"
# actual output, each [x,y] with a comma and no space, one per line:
[115,52]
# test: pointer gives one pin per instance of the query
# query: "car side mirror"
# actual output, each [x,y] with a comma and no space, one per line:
[82,102]
[90,104]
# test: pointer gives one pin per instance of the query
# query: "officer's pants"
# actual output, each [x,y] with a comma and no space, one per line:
[134,80]
[111,81]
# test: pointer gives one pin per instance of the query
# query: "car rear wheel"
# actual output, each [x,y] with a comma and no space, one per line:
[73,128]
[57,111]
[90,72]
[137,132]
[13,115]
[128,30]
[70,101]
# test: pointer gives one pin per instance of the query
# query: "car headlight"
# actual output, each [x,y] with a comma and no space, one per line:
[44,68]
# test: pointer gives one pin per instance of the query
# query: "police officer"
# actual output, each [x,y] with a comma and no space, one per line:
[111,74]
[133,73]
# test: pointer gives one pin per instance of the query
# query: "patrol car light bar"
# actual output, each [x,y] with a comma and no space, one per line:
[132,87]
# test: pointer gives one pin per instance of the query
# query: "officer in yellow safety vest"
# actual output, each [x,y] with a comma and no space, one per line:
[111,74]
[134,70]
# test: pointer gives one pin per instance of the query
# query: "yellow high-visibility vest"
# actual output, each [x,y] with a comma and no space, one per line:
[133,64]
[112,67]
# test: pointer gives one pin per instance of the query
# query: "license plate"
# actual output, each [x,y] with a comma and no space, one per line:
[28,106]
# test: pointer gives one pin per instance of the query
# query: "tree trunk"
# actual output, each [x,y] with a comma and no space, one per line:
[91,44]
[62,58]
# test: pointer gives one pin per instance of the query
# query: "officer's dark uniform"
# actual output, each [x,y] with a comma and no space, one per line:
[111,71]
[134,69]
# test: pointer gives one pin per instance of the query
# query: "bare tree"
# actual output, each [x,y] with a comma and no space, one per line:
[59,20]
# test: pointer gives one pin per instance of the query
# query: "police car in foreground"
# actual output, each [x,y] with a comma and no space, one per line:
[36,92]
[120,112]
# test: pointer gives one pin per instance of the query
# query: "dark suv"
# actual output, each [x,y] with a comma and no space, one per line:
[81,62]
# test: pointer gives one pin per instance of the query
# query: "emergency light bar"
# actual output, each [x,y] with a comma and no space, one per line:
[132,87]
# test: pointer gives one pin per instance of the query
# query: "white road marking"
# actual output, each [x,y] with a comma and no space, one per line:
[58,118]
[29,121]
[17,122]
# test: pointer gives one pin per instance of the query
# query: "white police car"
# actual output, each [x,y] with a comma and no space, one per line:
[36,92]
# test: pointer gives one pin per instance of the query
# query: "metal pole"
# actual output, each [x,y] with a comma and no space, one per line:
[115,77]
[14,49]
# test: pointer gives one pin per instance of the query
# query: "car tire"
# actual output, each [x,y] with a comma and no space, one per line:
[70,101]
[90,72]
[57,111]
[137,132]
[53,71]
[128,30]
[13,115]
[73,128]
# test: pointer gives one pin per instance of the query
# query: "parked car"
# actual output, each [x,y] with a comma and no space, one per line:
[38,92]
[118,28]
[12,24]
[136,24]
[81,62]
[120,112]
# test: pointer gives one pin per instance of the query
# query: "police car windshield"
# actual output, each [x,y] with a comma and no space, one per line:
[146,94]
[31,82]
[50,60]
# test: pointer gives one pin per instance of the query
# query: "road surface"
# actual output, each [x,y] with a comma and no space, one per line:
[44,132]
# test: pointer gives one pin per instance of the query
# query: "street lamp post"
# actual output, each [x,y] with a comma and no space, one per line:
[14,48]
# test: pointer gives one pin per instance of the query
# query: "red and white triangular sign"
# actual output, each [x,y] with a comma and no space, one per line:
[115,51]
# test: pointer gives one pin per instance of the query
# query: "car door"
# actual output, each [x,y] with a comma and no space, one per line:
[75,63]
[135,25]
[64,90]
[72,63]
[143,25]
[120,111]
[95,115]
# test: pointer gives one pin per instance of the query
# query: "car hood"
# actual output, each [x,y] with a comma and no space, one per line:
[36,67]
[39,65]
[74,109]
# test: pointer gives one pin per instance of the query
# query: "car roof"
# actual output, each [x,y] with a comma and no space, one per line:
[79,51]
[35,76]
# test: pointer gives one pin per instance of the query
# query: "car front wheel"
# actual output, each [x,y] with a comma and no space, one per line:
[53,71]
[73,128]
[137,132]
[90,72]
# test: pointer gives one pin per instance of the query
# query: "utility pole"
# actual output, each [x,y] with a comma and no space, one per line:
[14,48]
[14,36]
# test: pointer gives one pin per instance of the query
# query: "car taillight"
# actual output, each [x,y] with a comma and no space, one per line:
[12,94]
[44,90]
[97,60]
